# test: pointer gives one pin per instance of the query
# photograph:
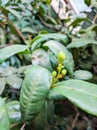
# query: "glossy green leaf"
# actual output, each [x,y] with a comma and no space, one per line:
[4,118]
[40,57]
[53,59]
[14,81]
[23,68]
[34,92]
[56,48]
[83,74]
[2,85]
[28,30]
[37,41]
[14,113]
[81,42]
[77,21]
[14,12]
[7,71]
[88,2]
[86,64]
[11,50]
[83,94]
[55,96]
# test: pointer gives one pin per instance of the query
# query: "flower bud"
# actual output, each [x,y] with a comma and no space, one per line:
[54,73]
[61,56]
[64,72]
[59,69]
[60,76]
[60,65]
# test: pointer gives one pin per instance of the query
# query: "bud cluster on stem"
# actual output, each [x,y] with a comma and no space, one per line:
[61,71]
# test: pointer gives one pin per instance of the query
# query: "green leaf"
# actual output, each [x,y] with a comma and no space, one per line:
[28,30]
[12,28]
[83,94]
[2,36]
[25,1]
[83,75]
[88,2]
[55,96]
[4,118]
[7,71]
[53,59]
[40,57]
[23,68]
[11,50]
[81,42]
[14,113]
[40,121]
[38,41]
[35,88]
[77,22]
[14,12]
[94,47]
[4,11]
[2,85]
[2,127]
[48,1]
[14,81]
[56,48]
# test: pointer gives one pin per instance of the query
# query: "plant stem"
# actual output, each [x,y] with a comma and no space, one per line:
[22,128]
[15,124]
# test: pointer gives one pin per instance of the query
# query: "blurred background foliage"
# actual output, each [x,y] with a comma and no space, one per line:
[22,20]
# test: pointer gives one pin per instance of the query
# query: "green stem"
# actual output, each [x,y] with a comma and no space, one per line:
[56,78]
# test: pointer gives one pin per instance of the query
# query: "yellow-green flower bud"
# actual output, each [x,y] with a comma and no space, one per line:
[64,72]
[60,65]
[54,73]
[61,56]
[63,66]
[59,69]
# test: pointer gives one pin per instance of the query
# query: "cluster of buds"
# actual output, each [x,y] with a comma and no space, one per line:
[61,71]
